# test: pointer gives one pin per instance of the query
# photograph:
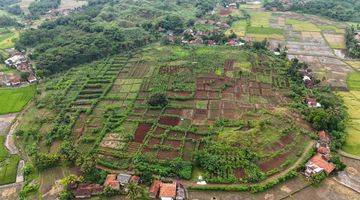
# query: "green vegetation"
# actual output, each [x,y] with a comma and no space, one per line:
[342,10]
[265,31]
[353,81]
[302,25]
[352,45]
[8,38]
[40,7]
[8,170]
[14,99]
[260,19]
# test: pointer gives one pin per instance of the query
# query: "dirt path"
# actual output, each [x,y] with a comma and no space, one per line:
[10,143]
[343,153]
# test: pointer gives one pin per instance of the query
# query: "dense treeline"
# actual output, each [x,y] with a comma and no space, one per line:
[343,10]
[352,44]
[11,6]
[40,7]
[332,115]
[103,28]
[77,39]
[6,21]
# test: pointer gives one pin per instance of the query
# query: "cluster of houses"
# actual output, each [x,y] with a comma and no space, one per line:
[114,181]
[167,191]
[19,62]
[320,161]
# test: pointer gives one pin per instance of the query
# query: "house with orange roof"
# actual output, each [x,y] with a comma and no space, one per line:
[154,189]
[168,191]
[318,164]
[111,181]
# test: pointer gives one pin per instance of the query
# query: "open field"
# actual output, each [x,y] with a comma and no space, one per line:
[238,27]
[353,81]
[354,64]
[352,102]
[71,4]
[302,25]
[260,19]
[8,170]
[14,99]
[7,38]
[335,41]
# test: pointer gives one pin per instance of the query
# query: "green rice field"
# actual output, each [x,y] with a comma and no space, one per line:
[14,99]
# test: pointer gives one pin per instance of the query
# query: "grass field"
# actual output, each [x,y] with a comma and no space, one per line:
[352,102]
[238,27]
[336,41]
[354,64]
[7,38]
[3,151]
[260,19]
[8,170]
[353,81]
[331,28]
[13,100]
[302,25]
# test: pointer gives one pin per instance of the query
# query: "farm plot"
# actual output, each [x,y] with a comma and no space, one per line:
[352,102]
[302,25]
[335,41]
[14,100]
[238,27]
[7,38]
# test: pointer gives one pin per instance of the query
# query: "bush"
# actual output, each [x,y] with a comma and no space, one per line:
[158,100]
[316,179]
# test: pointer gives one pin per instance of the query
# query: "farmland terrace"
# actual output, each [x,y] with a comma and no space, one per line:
[222,101]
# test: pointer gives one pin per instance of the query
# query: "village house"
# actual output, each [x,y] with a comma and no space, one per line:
[15,81]
[31,78]
[180,192]
[324,138]
[318,164]
[123,179]
[154,189]
[15,60]
[312,103]
[168,191]
[112,182]
[87,190]
[135,179]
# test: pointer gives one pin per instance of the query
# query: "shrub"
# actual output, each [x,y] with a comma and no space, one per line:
[158,100]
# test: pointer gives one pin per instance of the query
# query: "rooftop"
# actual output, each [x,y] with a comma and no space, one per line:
[168,190]
[322,163]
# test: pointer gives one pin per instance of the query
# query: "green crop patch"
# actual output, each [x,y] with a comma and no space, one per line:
[264,30]
[353,81]
[14,99]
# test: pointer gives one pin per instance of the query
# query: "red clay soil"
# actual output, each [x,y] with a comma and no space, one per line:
[225,11]
[176,134]
[239,173]
[139,111]
[275,162]
[169,120]
[200,112]
[141,132]
[193,136]
[159,130]
[174,143]
[228,96]
[284,140]
[153,141]
[214,114]
[167,155]
[173,111]
[213,95]
[201,94]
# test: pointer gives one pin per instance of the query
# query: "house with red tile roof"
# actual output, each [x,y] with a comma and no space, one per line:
[324,137]
[154,189]
[87,190]
[111,181]
[168,191]
[134,179]
[318,164]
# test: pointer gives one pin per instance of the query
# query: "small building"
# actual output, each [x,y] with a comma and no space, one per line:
[15,81]
[123,179]
[112,182]
[135,179]
[312,103]
[180,192]
[168,191]
[154,189]
[87,190]
[318,164]
[324,137]
[306,78]
[15,60]
[31,78]
[324,151]
[232,42]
